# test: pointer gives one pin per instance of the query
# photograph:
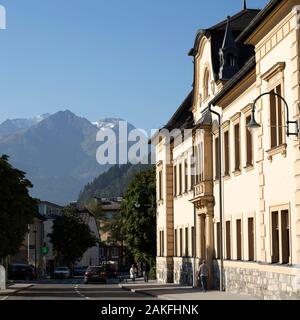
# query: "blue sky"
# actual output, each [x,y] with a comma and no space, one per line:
[102,58]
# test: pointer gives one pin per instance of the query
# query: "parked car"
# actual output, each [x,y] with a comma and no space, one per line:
[62,273]
[99,274]
[79,271]
[21,272]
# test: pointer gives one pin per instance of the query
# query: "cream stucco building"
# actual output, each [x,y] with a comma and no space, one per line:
[235,61]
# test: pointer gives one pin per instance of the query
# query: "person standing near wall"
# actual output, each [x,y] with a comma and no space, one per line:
[203,274]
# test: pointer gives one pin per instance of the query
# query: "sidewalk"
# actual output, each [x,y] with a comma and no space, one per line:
[178,292]
[14,288]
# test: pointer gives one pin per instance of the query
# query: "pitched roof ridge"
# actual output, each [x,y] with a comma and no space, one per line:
[261,15]
[232,18]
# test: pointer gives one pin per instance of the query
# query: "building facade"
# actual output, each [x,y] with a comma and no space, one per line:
[91,257]
[30,251]
[50,211]
[112,250]
[258,235]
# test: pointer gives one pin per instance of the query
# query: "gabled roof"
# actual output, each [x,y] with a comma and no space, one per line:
[183,117]
[250,65]
[238,23]
[268,9]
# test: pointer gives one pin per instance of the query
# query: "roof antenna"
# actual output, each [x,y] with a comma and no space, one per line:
[245,4]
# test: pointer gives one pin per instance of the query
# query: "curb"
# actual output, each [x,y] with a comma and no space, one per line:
[6,294]
[146,293]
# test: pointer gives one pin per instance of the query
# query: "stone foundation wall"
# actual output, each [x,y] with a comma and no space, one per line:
[265,282]
[164,270]
[183,271]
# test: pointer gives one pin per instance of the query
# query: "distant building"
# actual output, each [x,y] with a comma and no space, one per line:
[30,251]
[50,211]
[110,249]
[91,256]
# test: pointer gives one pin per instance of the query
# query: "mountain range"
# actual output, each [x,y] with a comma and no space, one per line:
[57,152]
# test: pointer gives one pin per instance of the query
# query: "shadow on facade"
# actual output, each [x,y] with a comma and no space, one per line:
[184,275]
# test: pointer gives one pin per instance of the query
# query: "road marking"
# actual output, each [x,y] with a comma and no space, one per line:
[81,294]
[4,298]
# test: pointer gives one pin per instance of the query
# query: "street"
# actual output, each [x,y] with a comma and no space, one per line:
[74,289]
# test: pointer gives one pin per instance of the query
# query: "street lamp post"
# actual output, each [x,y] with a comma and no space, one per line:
[253,125]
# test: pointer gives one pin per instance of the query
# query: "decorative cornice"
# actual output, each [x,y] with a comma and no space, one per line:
[235,117]
[226,124]
[247,109]
[278,67]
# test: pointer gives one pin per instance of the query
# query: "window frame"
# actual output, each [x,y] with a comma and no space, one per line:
[280,209]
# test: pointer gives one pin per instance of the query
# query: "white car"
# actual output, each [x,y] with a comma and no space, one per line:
[62,273]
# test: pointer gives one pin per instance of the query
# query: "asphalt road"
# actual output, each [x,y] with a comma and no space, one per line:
[74,289]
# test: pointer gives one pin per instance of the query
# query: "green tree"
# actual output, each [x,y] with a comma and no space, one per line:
[138,217]
[70,237]
[17,208]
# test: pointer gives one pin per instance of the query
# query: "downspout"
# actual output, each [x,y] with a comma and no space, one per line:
[195,232]
[220,197]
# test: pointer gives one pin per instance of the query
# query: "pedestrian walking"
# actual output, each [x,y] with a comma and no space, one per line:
[146,269]
[203,274]
[133,272]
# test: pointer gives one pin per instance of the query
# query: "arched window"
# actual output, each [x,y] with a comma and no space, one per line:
[206,84]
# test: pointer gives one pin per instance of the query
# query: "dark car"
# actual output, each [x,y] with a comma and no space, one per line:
[79,271]
[99,274]
[21,272]
[62,273]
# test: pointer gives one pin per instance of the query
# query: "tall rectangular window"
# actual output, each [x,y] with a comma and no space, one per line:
[160,244]
[249,142]
[237,147]
[217,158]
[193,241]
[275,236]
[218,253]
[280,236]
[175,243]
[192,176]
[160,186]
[163,243]
[186,177]
[180,178]
[239,239]
[250,239]
[285,236]
[186,242]
[226,154]
[180,242]
[228,240]
[276,118]
[175,180]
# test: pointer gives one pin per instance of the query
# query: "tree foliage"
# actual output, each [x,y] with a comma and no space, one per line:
[70,237]
[17,208]
[138,217]
[112,183]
